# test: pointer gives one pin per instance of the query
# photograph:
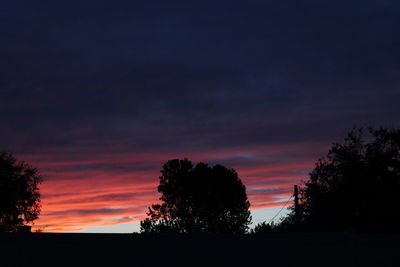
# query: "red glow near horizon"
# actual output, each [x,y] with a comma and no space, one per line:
[82,193]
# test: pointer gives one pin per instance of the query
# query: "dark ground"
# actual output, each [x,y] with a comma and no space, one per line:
[18,249]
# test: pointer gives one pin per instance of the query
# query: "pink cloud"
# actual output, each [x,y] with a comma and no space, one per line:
[94,190]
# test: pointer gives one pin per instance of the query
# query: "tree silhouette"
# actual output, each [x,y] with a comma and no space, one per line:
[198,199]
[355,186]
[19,193]
[263,228]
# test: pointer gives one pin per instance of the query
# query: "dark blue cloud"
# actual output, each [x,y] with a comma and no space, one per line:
[216,73]
[99,94]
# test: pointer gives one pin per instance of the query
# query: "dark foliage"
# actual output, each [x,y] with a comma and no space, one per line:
[355,187]
[198,199]
[263,228]
[19,193]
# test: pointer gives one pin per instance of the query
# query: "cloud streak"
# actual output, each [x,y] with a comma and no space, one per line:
[80,194]
[98,96]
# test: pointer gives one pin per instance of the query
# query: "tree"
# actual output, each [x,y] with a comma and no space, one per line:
[263,228]
[356,185]
[198,199]
[19,193]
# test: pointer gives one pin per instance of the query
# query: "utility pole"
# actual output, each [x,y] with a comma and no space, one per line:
[296,205]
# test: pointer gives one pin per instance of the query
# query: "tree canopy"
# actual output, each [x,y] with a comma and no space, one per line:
[19,193]
[355,186]
[198,199]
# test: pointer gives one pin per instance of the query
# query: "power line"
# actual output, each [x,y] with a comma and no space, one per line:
[290,198]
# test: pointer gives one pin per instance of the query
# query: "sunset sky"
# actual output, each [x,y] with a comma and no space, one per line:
[99,95]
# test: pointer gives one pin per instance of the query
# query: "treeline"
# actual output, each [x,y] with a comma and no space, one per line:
[354,188]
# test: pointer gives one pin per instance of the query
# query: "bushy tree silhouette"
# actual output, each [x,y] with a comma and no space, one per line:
[263,228]
[355,186]
[19,193]
[198,199]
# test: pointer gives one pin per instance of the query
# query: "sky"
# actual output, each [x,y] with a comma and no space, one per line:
[98,95]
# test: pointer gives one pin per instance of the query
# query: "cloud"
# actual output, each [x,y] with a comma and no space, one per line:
[98,96]
[93,196]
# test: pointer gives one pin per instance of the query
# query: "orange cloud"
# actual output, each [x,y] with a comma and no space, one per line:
[99,190]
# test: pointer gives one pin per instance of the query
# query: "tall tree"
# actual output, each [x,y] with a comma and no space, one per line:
[199,199]
[19,193]
[356,185]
